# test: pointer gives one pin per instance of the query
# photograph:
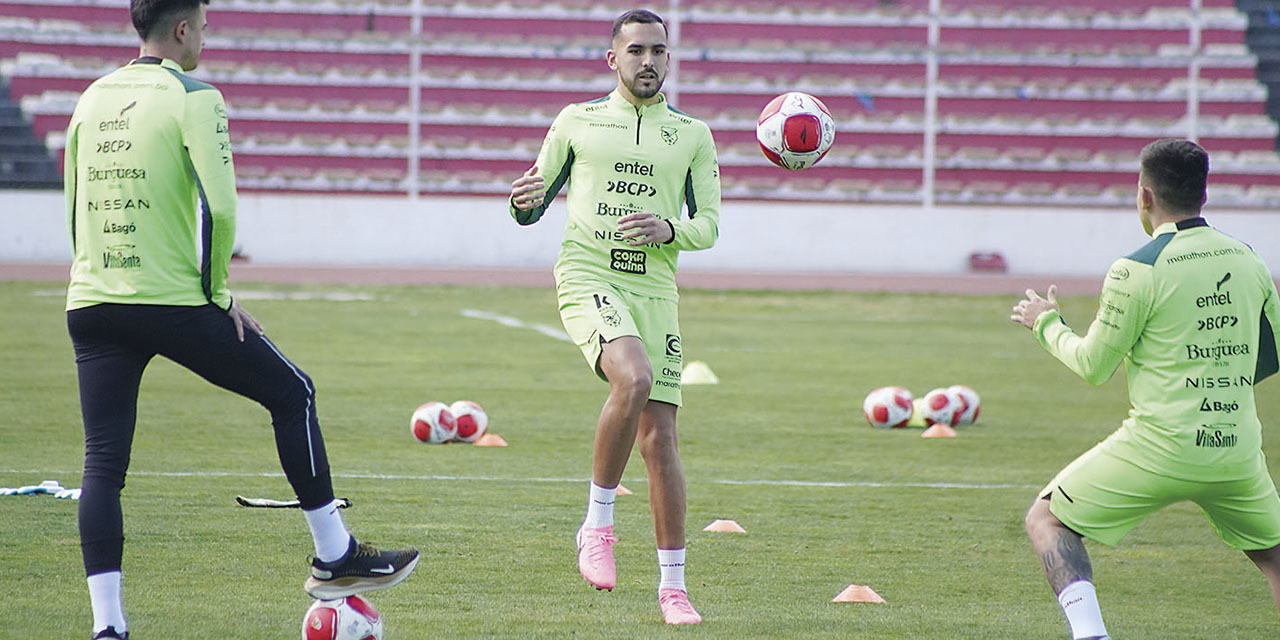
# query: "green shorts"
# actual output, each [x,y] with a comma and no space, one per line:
[1102,496]
[595,312]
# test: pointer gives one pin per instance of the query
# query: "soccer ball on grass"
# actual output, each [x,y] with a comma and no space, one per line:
[433,423]
[471,420]
[888,407]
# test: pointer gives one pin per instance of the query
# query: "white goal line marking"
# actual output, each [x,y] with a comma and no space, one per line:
[393,476]
[508,321]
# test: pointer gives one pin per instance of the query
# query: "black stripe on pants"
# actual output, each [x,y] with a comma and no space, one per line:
[113,344]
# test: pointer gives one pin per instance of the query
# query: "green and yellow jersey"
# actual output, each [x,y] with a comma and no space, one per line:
[150,190]
[617,159]
[1194,317]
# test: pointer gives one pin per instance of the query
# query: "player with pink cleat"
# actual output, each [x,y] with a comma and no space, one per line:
[595,557]
[676,608]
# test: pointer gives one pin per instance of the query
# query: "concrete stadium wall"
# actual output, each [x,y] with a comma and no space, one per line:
[461,232]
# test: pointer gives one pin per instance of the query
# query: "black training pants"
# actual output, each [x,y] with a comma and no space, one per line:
[113,344]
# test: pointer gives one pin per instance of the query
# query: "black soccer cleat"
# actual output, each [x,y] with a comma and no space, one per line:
[110,633]
[363,568]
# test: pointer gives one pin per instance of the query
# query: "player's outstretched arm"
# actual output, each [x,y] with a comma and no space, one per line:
[1029,309]
[1122,313]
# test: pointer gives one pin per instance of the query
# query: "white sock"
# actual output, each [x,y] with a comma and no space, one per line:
[328,531]
[600,507]
[1080,604]
[107,600]
[671,569]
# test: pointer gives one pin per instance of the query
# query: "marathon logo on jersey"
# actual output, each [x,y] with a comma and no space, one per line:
[1211,436]
[1216,351]
[627,261]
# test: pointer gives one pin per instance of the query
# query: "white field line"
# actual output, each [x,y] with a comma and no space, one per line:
[250,294]
[515,480]
[516,324]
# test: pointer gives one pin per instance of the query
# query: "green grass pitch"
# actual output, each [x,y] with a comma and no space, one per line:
[495,525]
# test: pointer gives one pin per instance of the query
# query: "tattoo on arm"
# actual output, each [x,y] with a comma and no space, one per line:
[1067,562]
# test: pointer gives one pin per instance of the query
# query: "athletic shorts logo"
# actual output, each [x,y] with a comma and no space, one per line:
[670,135]
[673,345]
[1118,273]
[608,314]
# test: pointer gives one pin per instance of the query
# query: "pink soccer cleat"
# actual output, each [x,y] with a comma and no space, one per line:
[676,608]
[595,556]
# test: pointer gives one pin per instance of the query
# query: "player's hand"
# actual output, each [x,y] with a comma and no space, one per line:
[643,228]
[241,319]
[527,190]
[1026,311]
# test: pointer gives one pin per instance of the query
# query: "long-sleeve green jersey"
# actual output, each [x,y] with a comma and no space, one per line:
[1193,315]
[617,159]
[150,190]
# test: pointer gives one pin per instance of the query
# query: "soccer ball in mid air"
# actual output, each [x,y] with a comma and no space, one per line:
[795,130]
[433,423]
[350,618]
[972,404]
[471,420]
[888,407]
[942,406]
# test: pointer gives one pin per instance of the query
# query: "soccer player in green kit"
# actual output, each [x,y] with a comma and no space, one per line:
[1194,317]
[151,204]
[631,162]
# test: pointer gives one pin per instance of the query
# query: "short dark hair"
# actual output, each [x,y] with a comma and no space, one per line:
[153,16]
[642,16]
[1176,171]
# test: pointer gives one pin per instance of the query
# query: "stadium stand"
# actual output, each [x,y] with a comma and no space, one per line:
[1038,103]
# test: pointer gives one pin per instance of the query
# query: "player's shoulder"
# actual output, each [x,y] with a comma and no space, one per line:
[1150,252]
[586,106]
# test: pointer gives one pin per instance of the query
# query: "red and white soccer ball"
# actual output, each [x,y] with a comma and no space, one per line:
[433,423]
[972,404]
[351,618]
[942,406]
[795,130]
[471,419]
[888,407]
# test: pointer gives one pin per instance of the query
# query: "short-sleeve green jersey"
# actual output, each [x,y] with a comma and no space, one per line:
[617,159]
[150,190]
[1193,315]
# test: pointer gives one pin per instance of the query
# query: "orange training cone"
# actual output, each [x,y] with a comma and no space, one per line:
[725,526]
[858,593]
[939,430]
[491,440]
